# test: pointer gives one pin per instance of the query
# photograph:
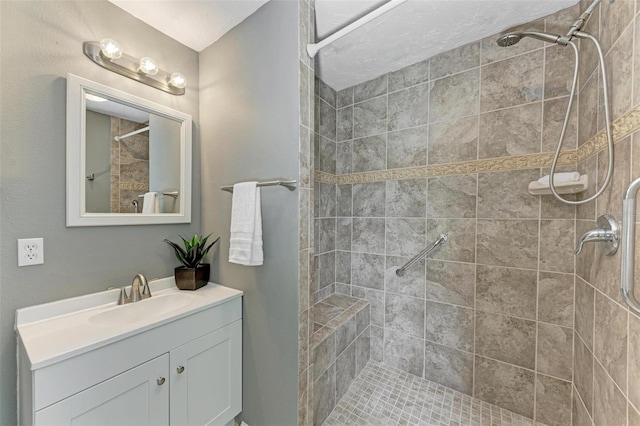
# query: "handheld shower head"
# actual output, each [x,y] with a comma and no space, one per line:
[509,39]
[512,38]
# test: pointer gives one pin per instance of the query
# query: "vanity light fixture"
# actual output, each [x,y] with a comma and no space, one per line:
[148,66]
[110,48]
[94,98]
[178,80]
[108,55]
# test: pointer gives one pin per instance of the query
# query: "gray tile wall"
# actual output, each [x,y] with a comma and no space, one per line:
[326,201]
[485,308]
[491,313]
[606,354]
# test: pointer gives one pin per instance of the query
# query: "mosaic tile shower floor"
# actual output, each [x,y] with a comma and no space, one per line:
[385,396]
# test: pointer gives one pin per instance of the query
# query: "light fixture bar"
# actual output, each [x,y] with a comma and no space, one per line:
[128,66]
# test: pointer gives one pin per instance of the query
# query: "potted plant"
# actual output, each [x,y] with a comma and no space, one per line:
[193,274]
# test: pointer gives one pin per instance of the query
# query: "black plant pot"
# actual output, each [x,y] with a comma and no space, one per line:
[192,278]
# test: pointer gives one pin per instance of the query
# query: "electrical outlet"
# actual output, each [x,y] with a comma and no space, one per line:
[30,251]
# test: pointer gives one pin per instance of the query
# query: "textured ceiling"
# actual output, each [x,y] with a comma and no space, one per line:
[412,32]
[194,23]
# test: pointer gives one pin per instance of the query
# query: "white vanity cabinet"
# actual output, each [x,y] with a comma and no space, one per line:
[205,378]
[182,370]
[134,397]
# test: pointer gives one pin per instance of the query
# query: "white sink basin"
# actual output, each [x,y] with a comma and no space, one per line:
[147,309]
[63,329]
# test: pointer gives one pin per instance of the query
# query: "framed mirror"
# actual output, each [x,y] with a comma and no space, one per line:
[128,159]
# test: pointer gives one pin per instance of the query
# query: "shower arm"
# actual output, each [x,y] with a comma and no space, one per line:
[582,20]
[554,163]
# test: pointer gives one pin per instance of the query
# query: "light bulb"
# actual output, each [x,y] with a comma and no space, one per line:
[178,80]
[94,98]
[148,66]
[110,48]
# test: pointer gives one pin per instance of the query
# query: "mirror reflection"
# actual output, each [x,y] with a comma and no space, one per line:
[130,155]
[128,158]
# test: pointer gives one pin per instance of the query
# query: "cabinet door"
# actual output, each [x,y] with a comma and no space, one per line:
[136,397]
[206,378]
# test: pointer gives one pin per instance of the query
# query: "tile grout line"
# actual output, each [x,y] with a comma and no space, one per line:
[475,253]
[426,230]
[537,337]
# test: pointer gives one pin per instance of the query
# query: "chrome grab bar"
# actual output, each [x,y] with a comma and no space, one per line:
[442,238]
[628,245]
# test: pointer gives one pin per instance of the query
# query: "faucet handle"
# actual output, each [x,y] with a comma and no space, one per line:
[122,298]
[146,291]
[606,231]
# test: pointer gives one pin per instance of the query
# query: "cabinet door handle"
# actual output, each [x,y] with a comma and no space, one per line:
[161,381]
[180,369]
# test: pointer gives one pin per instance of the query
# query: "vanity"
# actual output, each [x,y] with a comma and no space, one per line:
[172,359]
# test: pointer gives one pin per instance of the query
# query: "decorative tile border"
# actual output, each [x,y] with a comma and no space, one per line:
[134,186]
[622,127]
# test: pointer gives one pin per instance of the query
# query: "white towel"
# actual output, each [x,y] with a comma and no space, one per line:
[245,246]
[150,203]
[560,178]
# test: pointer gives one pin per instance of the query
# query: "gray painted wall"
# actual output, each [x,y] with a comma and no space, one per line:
[98,143]
[39,43]
[249,109]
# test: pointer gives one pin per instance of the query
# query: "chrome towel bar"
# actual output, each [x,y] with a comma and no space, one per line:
[172,194]
[442,238]
[290,184]
[628,245]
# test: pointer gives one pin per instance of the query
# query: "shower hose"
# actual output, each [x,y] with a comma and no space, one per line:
[607,117]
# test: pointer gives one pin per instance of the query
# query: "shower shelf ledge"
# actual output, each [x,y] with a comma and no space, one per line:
[536,188]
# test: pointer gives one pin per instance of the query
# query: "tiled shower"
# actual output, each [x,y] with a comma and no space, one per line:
[129,165]
[504,311]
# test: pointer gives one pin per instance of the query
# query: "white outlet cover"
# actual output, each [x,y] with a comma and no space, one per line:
[30,251]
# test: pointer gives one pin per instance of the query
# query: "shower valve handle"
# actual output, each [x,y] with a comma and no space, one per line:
[606,231]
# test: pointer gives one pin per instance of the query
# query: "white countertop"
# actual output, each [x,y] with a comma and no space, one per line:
[59,330]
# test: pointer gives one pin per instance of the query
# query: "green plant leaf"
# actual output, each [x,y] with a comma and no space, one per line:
[195,250]
[180,253]
[206,250]
[193,255]
[187,244]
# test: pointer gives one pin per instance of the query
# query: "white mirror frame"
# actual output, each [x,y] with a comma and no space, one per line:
[76,152]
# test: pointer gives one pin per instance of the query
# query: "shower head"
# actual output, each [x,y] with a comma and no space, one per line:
[509,40]
[512,38]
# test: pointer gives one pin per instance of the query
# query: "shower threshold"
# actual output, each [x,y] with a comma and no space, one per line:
[385,396]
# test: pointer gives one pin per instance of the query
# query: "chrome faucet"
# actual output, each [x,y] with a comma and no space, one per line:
[146,291]
[122,297]
[135,288]
[607,231]
[134,294]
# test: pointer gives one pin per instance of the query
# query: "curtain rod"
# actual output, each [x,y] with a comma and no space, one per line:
[312,49]
[119,138]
